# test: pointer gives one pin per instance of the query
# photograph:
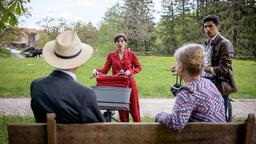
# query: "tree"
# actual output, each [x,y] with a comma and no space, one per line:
[165,29]
[112,24]
[9,10]
[243,27]
[51,28]
[114,18]
[139,25]
[181,23]
[7,36]
[86,32]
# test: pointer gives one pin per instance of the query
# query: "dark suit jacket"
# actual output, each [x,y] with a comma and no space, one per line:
[60,94]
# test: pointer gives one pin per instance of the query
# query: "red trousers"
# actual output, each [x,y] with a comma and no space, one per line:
[134,104]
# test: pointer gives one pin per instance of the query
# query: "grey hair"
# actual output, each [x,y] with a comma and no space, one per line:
[191,56]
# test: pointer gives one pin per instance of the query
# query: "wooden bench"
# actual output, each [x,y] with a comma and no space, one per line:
[131,133]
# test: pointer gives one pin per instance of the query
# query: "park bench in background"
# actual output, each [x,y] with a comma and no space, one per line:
[131,133]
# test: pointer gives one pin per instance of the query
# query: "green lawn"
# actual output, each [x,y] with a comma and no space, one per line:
[153,81]
[4,53]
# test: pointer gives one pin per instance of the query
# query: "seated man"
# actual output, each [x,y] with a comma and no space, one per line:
[198,99]
[59,92]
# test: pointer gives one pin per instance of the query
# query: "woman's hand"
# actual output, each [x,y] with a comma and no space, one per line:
[94,72]
[173,69]
[127,73]
[207,69]
[121,72]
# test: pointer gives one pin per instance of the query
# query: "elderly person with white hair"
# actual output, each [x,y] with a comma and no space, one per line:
[198,100]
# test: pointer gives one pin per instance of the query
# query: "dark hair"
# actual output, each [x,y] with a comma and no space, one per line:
[119,36]
[213,18]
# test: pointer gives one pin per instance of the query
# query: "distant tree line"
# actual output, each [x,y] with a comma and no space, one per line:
[180,23]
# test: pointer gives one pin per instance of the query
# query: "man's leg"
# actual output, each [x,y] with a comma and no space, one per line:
[226,105]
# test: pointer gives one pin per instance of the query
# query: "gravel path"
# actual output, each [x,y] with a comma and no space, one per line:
[148,106]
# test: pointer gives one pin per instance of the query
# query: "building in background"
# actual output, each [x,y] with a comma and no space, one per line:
[28,38]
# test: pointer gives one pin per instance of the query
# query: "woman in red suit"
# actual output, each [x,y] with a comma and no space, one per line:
[124,61]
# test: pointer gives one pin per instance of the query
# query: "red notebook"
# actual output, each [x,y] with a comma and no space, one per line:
[115,81]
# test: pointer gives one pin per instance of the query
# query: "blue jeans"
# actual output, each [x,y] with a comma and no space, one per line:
[225,97]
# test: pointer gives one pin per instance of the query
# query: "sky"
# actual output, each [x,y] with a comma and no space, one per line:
[72,10]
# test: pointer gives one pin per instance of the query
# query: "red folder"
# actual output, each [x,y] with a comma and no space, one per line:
[115,81]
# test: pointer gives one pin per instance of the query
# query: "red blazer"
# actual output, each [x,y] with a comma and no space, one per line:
[130,62]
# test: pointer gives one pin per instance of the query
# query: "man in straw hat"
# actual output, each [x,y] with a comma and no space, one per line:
[59,92]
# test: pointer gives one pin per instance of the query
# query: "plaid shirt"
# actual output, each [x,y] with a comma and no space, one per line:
[198,100]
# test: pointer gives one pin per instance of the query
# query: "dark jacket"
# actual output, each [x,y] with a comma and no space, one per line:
[60,94]
[221,60]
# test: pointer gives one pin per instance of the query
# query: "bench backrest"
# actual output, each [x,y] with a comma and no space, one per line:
[131,133]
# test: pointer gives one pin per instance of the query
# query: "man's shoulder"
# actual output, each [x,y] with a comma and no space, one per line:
[38,84]
[82,87]
[38,80]
[224,44]
[224,40]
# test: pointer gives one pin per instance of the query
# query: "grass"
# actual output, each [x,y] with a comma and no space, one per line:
[153,81]
[4,120]
[4,53]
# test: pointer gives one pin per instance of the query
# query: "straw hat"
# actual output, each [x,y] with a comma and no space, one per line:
[66,51]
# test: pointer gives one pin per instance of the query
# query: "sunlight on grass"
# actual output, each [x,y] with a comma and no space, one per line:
[153,81]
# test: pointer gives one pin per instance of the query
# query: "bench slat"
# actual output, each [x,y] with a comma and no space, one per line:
[149,133]
[128,133]
[27,134]
[135,133]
